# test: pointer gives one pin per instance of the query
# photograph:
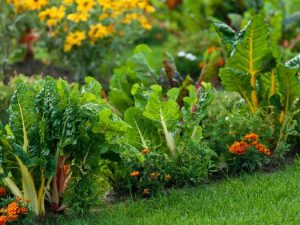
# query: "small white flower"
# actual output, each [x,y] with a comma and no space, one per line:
[191,57]
[181,54]
[226,118]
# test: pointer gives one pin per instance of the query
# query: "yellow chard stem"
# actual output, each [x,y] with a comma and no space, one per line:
[252,73]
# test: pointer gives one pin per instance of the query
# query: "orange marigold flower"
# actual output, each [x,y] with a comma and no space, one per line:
[262,148]
[251,137]
[211,49]
[12,218]
[238,148]
[145,151]
[168,177]
[267,152]
[146,191]
[22,210]
[2,191]
[154,175]
[12,211]
[135,173]
[3,220]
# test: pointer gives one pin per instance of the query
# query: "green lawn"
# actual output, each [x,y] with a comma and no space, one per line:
[252,199]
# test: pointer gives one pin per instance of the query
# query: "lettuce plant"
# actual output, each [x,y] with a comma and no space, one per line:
[52,126]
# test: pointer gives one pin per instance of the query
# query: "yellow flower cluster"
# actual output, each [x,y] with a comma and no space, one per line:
[98,31]
[96,19]
[52,15]
[127,8]
[21,5]
[73,39]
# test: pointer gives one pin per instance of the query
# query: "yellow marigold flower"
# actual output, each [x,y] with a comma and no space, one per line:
[53,15]
[144,23]
[149,9]
[85,5]
[73,38]
[35,4]
[104,16]
[68,2]
[67,47]
[130,17]
[80,16]
[19,6]
[99,31]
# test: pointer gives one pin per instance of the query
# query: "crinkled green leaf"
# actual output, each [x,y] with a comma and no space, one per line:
[110,125]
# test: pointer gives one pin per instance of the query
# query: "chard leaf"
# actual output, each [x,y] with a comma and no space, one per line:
[173,93]
[250,57]
[110,125]
[166,113]
[270,85]
[92,86]
[289,87]
[139,68]
[23,120]
[142,133]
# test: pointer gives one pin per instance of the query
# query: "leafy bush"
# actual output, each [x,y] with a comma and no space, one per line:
[150,173]
[54,130]
[166,138]
[229,120]
[255,71]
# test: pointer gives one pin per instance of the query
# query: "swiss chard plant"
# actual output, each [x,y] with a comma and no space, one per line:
[53,128]
[143,67]
[166,135]
[254,69]
[159,121]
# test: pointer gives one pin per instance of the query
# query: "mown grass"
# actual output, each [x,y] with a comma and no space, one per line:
[272,198]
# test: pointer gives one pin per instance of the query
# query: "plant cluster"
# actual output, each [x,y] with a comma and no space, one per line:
[55,130]
[82,28]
